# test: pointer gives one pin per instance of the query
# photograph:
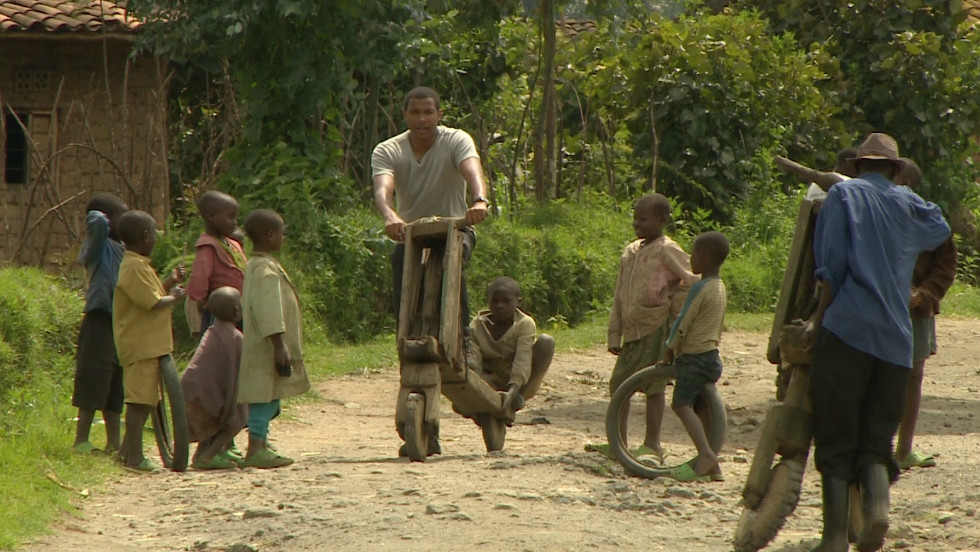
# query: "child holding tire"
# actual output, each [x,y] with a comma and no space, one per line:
[693,349]
[141,326]
[654,276]
[272,356]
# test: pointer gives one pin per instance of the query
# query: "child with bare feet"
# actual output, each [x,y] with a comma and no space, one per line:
[511,356]
[272,355]
[98,375]
[141,326]
[654,276]
[219,259]
[210,384]
[693,349]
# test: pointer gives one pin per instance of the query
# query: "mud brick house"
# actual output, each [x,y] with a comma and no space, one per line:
[81,114]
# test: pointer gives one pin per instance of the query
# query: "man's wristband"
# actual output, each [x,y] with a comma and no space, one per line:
[479,199]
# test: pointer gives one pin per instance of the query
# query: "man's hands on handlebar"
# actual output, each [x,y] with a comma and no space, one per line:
[395,225]
[476,213]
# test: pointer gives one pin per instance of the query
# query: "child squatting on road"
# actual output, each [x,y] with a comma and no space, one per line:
[210,385]
[141,325]
[509,353]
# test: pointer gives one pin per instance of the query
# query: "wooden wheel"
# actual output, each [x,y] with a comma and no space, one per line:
[416,439]
[494,432]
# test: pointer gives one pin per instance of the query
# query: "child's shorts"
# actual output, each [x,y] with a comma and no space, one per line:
[141,381]
[637,355]
[693,371]
[923,338]
[98,376]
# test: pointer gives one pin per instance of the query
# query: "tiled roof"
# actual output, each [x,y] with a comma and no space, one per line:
[972,8]
[62,16]
[573,27]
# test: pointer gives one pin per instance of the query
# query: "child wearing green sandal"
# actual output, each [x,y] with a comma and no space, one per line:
[693,349]
[272,355]
[141,328]
[933,275]
[654,276]
[210,384]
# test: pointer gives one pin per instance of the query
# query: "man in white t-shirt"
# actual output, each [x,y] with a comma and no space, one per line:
[426,171]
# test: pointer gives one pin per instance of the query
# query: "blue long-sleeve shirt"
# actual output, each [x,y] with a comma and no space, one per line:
[101,256]
[868,235]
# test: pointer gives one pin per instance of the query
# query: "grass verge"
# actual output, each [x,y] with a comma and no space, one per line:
[42,477]
[962,300]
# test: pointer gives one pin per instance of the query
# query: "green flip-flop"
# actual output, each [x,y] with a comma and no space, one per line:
[916,459]
[218,462]
[685,473]
[644,450]
[85,447]
[145,466]
[266,459]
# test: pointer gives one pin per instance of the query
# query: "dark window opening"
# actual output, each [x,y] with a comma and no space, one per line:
[16,151]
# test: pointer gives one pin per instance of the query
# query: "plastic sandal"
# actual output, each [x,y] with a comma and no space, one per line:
[233,453]
[686,474]
[146,466]
[644,450]
[218,462]
[916,459]
[85,447]
[266,459]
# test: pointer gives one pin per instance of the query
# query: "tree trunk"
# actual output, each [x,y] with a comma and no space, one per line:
[544,147]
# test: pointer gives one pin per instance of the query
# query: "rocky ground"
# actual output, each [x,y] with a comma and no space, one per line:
[349,491]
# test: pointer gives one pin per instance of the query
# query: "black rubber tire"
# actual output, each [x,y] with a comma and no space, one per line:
[710,400]
[494,431]
[758,526]
[416,439]
[169,420]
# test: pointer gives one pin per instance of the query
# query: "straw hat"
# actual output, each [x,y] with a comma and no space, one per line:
[879,146]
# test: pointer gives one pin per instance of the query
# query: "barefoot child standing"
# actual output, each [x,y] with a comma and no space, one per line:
[98,376]
[272,355]
[142,328]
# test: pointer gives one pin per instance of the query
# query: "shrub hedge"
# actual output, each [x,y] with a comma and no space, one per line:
[39,318]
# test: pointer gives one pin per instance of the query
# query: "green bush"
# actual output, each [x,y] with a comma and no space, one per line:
[39,320]
[564,255]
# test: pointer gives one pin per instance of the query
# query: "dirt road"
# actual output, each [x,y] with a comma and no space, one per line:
[348,491]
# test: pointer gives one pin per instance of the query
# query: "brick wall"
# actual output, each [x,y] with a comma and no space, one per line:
[84,140]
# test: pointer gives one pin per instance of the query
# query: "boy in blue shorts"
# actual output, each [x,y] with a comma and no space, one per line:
[693,349]
[98,376]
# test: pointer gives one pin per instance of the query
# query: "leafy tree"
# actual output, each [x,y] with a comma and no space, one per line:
[906,68]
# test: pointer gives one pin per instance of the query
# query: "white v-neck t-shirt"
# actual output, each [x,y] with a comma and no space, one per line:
[432,186]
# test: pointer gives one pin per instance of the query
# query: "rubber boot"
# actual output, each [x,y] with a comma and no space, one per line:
[836,498]
[874,507]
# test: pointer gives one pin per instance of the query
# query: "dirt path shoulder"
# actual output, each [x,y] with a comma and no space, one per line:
[349,492]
